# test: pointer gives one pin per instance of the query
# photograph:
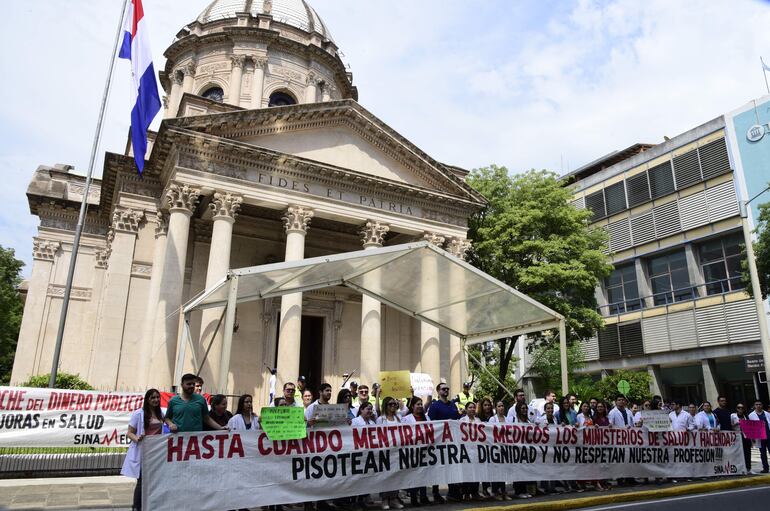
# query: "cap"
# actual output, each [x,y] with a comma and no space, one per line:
[301,378]
[467,384]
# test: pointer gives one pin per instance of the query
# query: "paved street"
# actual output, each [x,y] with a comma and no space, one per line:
[745,499]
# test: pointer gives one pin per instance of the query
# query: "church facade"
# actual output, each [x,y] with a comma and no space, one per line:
[264,156]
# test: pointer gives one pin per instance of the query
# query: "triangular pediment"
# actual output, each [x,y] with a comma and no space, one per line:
[341,134]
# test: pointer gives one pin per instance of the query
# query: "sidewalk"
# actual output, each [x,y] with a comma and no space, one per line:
[116,492]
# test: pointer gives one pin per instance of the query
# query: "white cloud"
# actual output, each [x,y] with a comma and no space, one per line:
[521,84]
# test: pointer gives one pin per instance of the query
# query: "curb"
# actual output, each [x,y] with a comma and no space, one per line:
[686,489]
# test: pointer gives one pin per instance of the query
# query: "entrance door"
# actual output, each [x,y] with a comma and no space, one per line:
[311,351]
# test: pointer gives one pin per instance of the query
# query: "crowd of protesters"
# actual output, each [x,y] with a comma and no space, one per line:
[189,411]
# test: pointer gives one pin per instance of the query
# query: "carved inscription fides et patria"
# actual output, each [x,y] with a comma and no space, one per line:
[275,179]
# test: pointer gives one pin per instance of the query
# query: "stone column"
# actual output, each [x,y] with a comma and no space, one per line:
[372,235]
[181,200]
[43,256]
[189,78]
[225,207]
[430,353]
[311,88]
[176,94]
[158,254]
[458,247]
[236,74]
[105,361]
[710,381]
[656,381]
[326,91]
[258,83]
[295,220]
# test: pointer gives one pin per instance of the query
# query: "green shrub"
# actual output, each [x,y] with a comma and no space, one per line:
[63,381]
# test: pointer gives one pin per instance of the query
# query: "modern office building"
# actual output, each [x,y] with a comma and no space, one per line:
[675,305]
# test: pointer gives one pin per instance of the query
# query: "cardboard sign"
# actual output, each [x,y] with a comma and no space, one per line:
[331,415]
[283,422]
[396,384]
[422,384]
[753,430]
[656,420]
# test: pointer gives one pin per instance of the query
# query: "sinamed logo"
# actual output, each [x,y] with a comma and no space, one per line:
[113,438]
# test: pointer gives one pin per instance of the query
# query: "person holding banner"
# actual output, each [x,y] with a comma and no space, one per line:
[147,420]
[585,417]
[619,416]
[470,491]
[680,419]
[735,420]
[219,412]
[486,409]
[416,413]
[723,414]
[499,417]
[324,398]
[365,416]
[759,414]
[344,397]
[706,419]
[390,417]
[189,411]
[244,418]
[600,414]
[520,397]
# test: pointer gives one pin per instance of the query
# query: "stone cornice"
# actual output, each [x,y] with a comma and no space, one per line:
[44,250]
[231,158]
[55,216]
[315,115]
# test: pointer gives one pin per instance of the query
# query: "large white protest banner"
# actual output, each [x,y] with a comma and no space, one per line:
[247,469]
[32,417]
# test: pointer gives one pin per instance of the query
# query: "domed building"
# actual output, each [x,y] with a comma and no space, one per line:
[264,155]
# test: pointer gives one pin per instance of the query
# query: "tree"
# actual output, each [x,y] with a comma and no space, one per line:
[11,308]
[533,239]
[607,388]
[63,381]
[761,253]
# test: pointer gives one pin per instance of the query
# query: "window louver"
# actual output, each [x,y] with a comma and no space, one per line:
[667,219]
[631,339]
[661,180]
[643,229]
[615,197]
[595,202]
[714,159]
[608,342]
[687,170]
[638,189]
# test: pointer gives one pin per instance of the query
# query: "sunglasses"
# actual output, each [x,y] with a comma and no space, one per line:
[363,391]
[392,404]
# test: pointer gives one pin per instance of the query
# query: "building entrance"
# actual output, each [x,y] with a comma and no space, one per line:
[311,351]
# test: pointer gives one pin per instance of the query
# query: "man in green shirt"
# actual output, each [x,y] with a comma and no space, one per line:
[188,411]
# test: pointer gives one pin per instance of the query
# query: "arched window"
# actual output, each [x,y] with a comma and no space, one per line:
[281,98]
[214,94]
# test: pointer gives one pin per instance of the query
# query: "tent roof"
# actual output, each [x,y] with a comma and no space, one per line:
[416,278]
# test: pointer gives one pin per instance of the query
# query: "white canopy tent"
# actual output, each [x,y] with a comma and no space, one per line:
[417,279]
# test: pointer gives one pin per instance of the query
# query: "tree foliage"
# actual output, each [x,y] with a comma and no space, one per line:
[63,381]
[607,388]
[11,309]
[761,252]
[533,239]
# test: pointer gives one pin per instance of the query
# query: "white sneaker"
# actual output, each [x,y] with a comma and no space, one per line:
[523,495]
[395,504]
[385,504]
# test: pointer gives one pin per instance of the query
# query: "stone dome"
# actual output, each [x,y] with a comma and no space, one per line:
[295,13]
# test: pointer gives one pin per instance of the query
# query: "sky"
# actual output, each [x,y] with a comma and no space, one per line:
[524,84]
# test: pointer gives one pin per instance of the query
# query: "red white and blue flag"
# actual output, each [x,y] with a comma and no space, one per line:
[136,48]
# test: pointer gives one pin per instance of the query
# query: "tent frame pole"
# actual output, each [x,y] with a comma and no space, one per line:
[563,356]
[227,338]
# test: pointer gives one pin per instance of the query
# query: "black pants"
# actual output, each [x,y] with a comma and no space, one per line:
[138,494]
[747,453]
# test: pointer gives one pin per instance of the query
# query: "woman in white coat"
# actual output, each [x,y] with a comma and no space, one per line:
[244,418]
[705,419]
[147,420]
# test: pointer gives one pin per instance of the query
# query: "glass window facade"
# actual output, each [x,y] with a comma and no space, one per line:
[669,279]
[720,261]
[622,290]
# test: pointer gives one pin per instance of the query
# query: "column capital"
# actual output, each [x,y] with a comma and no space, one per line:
[312,79]
[225,205]
[101,258]
[126,220]
[259,61]
[434,238]
[182,197]
[44,250]
[161,224]
[296,219]
[237,60]
[373,232]
[177,77]
[459,247]
[189,69]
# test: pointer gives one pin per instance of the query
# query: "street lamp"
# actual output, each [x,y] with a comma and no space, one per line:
[755,288]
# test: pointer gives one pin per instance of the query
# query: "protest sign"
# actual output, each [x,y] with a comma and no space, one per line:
[422,384]
[396,384]
[32,417]
[330,415]
[250,470]
[283,422]
[656,420]
[753,430]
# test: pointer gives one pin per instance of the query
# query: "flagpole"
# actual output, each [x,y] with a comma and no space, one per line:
[764,72]
[84,204]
